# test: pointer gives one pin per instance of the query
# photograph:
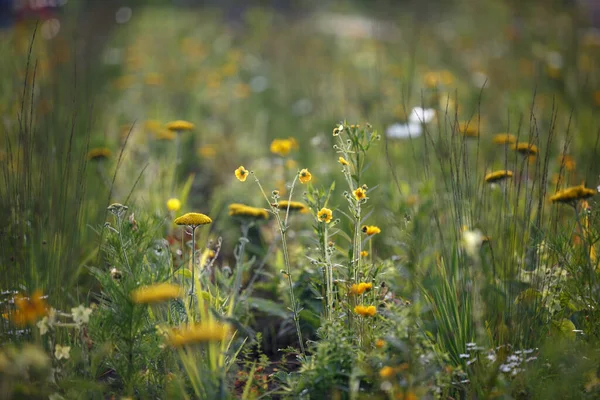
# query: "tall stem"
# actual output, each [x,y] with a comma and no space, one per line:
[286,257]
[193,264]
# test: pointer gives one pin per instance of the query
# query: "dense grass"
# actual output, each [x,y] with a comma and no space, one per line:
[470,288]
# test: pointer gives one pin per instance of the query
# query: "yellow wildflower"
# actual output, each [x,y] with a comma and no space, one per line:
[497,176]
[207,151]
[504,138]
[360,288]
[305,176]
[342,161]
[325,215]
[379,343]
[193,219]
[198,333]
[364,253]
[360,194]
[387,372]
[281,146]
[99,153]
[179,126]
[173,204]
[241,173]
[293,205]
[468,129]
[365,311]
[157,293]
[29,309]
[525,148]
[370,230]
[572,194]
[242,210]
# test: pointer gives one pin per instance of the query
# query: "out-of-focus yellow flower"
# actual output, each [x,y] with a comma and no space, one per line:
[572,194]
[305,176]
[379,343]
[165,135]
[99,153]
[342,161]
[29,309]
[124,82]
[325,215]
[468,129]
[365,311]
[291,164]
[527,149]
[242,90]
[293,206]
[198,333]
[153,125]
[370,230]
[158,293]
[173,204]
[179,126]
[282,147]
[498,176]
[193,219]
[242,210]
[364,253]
[387,372]
[504,138]
[360,194]
[241,173]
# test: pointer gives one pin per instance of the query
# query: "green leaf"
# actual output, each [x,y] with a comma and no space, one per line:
[269,307]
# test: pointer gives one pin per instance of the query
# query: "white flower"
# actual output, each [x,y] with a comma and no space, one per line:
[402,131]
[420,115]
[61,352]
[472,241]
[81,314]
[43,325]
[47,322]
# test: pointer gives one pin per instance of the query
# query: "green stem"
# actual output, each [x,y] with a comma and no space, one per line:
[193,265]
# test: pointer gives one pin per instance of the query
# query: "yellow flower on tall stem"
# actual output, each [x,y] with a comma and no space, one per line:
[325,215]
[342,161]
[370,230]
[572,194]
[498,176]
[360,194]
[304,176]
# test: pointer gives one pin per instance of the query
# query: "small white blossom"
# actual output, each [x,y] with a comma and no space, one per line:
[61,352]
[464,355]
[472,241]
[43,325]
[420,115]
[81,314]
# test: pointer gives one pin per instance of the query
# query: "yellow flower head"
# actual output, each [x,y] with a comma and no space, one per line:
[365,311]
[282,147]
[504,138]
[360,194]
[153,125]
[325,215]
[364,253]
[358,289]
[305,176]
[572,194]
[370,230]
[468,129]
[525,148]
[241,173]
[173,204]
[179,126]
[387,372]
[99,153]
[379,343]
[198,333]
[498,176]
[193,219]
[29,309]
[157,293]
[242,210]
[293,205]
[342,161]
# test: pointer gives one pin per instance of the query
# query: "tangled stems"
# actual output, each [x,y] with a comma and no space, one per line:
[282,225]
[328,273]
[587,250]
